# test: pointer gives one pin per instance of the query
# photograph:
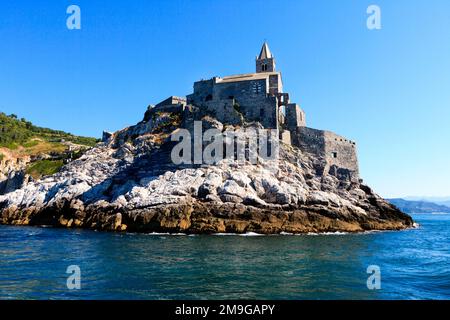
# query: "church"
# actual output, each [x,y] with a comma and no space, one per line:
[259,97]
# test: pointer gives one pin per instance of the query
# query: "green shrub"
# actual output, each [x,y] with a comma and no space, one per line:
[42,168]
[14,132]
[31,144]
[11,145]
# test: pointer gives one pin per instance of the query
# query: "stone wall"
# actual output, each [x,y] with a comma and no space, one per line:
[269,64]
[285,137]
[251,96]
[336,150]
[224,110]
[275,84]
[203,91]
[172,100]
[341,152]
[295,116]
[250,99]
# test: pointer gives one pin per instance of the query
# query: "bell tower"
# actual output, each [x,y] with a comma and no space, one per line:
[265,62]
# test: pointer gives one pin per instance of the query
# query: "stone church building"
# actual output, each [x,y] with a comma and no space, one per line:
[259,96]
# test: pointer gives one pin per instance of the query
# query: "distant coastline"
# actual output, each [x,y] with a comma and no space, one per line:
[419,207]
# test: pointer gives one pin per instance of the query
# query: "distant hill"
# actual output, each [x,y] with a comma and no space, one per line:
[409,206]
[445,201]
[40,151]
[16,132]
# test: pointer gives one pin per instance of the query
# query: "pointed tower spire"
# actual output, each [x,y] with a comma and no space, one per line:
[265,62]
[265,52]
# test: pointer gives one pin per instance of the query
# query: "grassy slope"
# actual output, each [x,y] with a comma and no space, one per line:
[44,168]
[20,138]
[15,133]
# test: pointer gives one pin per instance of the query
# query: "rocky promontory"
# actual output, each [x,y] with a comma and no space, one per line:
[129,183]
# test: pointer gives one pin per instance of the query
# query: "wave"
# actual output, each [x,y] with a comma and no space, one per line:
[248,234]
[251,234]
[165,234]
[336,233]
[254,234]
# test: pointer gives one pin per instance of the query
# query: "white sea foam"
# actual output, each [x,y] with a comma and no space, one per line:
[254,234]
[251,234]
[248,234]
[337,233]
[165,234]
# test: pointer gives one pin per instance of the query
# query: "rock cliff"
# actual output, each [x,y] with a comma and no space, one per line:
[12,173]
[128,183]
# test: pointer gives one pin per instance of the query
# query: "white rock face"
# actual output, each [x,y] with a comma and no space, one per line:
[90,179]
[131,174]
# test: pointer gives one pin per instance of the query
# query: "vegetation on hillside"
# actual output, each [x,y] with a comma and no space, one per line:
[51,148]
[16,132]
[44,168]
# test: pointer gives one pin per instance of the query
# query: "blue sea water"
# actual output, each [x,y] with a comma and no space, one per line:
[414,264]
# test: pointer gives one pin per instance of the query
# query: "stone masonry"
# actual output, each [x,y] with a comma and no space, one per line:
[259,97]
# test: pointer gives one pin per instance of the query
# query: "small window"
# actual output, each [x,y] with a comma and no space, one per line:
[257,88]
[208,97]
[334,154]
[261,113]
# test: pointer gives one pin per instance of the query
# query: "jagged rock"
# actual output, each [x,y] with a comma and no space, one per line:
[106,136]
[15,180]
[129,183]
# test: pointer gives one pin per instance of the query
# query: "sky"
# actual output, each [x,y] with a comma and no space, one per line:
[386,89]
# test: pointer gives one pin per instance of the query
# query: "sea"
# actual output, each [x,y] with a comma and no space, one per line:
[51,263]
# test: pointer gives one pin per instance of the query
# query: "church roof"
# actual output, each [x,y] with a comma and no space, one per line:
[265,52]
[245,77]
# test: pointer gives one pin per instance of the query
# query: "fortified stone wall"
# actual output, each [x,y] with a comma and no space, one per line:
[251,97]
[341,151]
[335,149]
[258,97]
[262,108]
[240,90]
[203,91]
[250,100]
[172,100]
[275,84]
[224,110]
[295,116]
[309,140]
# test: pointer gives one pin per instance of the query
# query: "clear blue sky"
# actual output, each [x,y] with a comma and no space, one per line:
[387,89]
